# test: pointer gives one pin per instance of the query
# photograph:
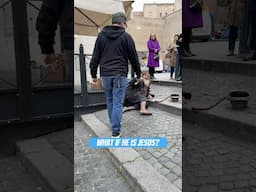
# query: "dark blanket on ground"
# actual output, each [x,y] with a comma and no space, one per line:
[135,93]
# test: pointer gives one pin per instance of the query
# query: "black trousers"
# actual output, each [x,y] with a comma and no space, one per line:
[252,23]
[233,30]
[186,37]
[151,71]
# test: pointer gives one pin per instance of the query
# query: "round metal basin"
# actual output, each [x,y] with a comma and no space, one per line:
[239,99]
[174,97]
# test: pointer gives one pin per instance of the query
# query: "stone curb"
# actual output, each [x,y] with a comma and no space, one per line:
[242,68]
[52,170]
[167,108]
[167,83]
[228,126]
[138,172]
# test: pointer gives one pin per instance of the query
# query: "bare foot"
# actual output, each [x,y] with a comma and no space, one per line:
[125,109]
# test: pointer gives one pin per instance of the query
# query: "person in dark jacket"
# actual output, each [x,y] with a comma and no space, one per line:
[52,13]
[252,22]
[178,69]
[137,94]
[113,49]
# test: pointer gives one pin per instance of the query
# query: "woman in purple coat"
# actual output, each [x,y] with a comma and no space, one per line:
[153,56]
[190,19]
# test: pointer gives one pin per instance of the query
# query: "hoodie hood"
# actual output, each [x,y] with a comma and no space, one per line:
[113,32]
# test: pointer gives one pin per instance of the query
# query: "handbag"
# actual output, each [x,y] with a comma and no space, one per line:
[196,5]
[156,56]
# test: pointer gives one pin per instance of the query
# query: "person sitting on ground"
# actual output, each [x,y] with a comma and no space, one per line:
[137,95]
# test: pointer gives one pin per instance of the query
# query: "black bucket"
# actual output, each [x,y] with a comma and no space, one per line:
[239,99]
[175,97]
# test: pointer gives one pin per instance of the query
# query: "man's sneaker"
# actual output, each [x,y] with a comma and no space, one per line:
[116,135]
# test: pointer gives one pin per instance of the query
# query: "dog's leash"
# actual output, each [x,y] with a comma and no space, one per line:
[196,108]
[209,107]
[162,100]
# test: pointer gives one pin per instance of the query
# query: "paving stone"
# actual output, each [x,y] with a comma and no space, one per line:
[170,155]
[147,156]
[213,180]
[178,183]
[177,170]
[152,160]
[252,182]
[171,176]
[169,164]
[164,171]
[227,178]
[157,154]
[194,182]
[208,188]
[157,165]
[241,184]
[226,186]
[240,177]
[216,172]
[202,173]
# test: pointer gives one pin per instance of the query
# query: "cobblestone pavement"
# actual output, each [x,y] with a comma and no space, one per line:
[213,162]
[14,178]
[63,142]
[94,171]
[162,124]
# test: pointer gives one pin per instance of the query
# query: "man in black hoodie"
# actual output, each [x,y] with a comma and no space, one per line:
[113,49]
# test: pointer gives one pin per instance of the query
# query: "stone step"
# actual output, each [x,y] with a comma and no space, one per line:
[139,173]
[170,107]
[220,65]
[223,119]
[51,169]
[166,82]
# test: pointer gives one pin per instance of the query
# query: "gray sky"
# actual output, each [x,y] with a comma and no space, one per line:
[138,4]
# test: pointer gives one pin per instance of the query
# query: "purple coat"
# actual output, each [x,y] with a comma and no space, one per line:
[191,19]
[152,46]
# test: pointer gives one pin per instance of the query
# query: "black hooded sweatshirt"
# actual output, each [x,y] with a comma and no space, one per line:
[113,48]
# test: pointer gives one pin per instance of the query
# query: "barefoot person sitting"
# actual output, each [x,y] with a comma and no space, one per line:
[137,95]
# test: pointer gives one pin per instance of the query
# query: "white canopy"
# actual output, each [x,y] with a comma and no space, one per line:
[91,15]
[100,6]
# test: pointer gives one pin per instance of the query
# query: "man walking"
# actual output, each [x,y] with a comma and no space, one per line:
[113,49]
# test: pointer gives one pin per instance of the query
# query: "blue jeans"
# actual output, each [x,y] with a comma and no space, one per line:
[114,89]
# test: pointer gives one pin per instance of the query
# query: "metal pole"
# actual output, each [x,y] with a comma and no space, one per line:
[84,92]
[22,56]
